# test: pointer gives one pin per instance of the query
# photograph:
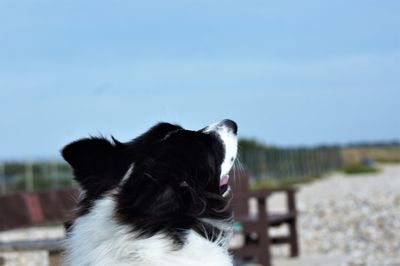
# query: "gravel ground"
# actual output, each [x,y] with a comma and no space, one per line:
[348,220]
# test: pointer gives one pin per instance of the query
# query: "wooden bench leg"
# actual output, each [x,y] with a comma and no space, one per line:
[265,253]
[265,241]
[294,245]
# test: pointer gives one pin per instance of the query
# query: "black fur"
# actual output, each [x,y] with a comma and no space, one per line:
[174,182]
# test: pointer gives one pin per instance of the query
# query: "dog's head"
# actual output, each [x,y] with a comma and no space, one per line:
[167,180]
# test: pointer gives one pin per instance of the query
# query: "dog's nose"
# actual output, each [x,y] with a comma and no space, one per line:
[230,124]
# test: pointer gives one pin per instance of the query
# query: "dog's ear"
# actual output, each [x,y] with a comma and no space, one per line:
[90,159]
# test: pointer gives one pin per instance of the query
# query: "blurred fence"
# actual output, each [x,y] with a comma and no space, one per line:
[291,163]
[16,177]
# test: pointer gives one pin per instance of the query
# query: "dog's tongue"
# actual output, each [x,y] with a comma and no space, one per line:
[224,180]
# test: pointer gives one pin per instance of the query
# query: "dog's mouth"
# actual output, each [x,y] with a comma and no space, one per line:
[223,184]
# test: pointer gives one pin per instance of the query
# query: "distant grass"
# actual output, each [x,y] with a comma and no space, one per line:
[269,183]
[360,169]
[388,160]
[377,154]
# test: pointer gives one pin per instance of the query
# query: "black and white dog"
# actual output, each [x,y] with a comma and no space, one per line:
[159,200]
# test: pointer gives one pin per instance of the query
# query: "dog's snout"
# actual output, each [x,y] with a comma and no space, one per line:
[226,131]
[230,124]
[227,125]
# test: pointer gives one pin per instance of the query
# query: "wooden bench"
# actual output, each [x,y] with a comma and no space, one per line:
[37,208]
[255,227]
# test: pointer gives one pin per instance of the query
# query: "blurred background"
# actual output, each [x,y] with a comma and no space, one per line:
[313,86]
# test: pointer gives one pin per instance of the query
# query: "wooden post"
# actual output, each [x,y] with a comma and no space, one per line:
[54,175]
[3,189]
[29,176]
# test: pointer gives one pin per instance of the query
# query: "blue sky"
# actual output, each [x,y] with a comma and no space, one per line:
[289,72]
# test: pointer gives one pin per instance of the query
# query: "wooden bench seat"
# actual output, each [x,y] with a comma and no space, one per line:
[274,219]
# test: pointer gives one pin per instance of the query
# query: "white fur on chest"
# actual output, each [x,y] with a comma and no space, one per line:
[97,239]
